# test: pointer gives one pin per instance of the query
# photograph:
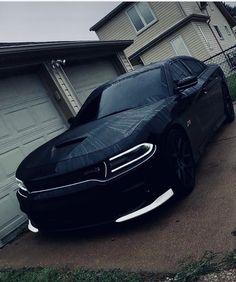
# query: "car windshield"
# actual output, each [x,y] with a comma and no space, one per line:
[126,93]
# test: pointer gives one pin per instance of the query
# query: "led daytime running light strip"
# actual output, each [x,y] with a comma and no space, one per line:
[149,149]
[21,184]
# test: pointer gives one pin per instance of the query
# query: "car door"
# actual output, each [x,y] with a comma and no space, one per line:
[195,105]
[211,92]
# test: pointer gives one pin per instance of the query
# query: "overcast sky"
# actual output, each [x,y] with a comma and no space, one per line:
[49,21]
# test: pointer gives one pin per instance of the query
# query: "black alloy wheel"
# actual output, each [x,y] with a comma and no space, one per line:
[228,104]
[180,163]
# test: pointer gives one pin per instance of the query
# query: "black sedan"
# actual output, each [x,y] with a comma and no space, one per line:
[133,145]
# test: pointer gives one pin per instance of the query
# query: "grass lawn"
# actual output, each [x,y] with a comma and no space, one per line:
[231,81]
[190,271]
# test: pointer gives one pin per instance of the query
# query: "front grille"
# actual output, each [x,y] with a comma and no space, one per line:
[92,172]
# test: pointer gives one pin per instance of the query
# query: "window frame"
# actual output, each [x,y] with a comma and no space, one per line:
[171,42]
[218,31]
[141,17]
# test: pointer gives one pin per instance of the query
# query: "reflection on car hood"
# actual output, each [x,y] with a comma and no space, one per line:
[90,143]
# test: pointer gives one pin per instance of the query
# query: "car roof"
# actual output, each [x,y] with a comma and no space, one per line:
[144,69]
[131,74]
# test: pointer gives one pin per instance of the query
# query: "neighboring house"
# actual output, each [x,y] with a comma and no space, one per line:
[38,93]
[165,29]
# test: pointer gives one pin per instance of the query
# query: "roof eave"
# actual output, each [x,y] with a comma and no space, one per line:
[38,53]
[110,15]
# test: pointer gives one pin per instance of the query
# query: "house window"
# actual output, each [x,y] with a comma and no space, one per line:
[179,46]
[227,30]
[141,16]
[218,31]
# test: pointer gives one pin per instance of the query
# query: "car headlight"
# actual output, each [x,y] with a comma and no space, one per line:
[21,185]
[132,157]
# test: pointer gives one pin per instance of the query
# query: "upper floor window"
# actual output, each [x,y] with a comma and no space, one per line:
[218,31]
[141,16]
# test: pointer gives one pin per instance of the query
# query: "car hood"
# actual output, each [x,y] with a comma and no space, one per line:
[90,143]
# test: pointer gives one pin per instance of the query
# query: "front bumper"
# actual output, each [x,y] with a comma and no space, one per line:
[92,203]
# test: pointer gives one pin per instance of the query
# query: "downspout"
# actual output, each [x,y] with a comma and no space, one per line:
[208,23]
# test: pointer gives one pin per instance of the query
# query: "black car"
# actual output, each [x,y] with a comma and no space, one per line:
[133,145]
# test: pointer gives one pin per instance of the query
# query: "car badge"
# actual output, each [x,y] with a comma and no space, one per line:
[189,122]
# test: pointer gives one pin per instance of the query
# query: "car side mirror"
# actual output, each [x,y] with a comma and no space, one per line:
[186,83]
[70,120]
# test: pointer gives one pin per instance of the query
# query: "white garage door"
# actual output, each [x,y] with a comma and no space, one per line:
[28,119]
[88,76]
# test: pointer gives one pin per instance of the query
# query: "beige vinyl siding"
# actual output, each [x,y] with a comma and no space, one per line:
[218,19]
[120,27]
[164,49]
[190,8]
[203,30]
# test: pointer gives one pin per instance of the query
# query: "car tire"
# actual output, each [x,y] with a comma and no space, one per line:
[228,105]
[180,163]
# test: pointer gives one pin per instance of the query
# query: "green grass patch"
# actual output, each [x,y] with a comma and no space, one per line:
[66,275]
[210,262]
[231,81]
[190,271]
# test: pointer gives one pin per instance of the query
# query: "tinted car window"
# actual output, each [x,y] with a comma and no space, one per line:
[178,71]
[195,66]
[129,92]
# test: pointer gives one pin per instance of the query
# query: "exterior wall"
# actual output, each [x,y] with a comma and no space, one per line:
[164,50]
[120,27]
[218,19]
[190,8]
[207,38]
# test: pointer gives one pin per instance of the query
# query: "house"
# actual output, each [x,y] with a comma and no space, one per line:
[41,86]
[165,29]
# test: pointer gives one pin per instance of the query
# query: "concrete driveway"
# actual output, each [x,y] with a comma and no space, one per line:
[158,241]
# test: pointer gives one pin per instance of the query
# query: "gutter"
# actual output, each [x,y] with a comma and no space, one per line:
[37,47]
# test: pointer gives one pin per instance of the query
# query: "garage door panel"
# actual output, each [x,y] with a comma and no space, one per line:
[10,87]
[9,208]
[33,144]
[28,119]
[88,76]
[10,161]
[44,111]
[21,119]
[4,131]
